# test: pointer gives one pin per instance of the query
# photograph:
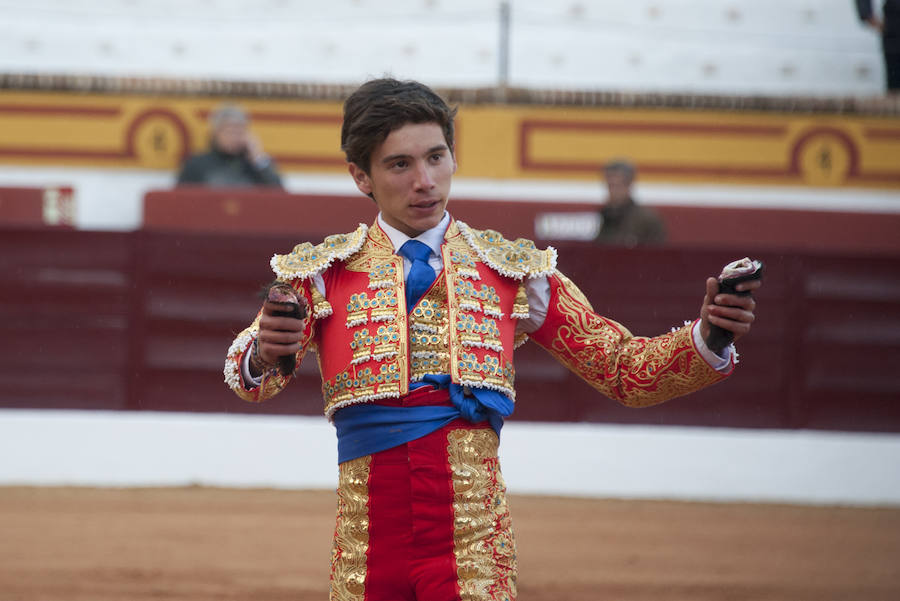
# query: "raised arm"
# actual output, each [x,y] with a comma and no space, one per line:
[635,371]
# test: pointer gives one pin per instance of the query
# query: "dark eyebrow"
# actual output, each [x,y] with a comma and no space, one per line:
[432,150]
[393,157]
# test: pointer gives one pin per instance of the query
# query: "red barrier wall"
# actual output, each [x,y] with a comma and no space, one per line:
[311,217]
[142,320]
[32,207]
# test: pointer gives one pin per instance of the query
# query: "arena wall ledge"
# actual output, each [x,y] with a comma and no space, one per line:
[869,105]
[502,134]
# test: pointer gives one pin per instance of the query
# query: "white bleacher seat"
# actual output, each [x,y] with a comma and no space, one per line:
[704,46]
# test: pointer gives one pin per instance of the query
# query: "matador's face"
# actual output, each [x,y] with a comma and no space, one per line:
[410,177]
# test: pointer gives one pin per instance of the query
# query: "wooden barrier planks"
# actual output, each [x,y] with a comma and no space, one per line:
[142,320]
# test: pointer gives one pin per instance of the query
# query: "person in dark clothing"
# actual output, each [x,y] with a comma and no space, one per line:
[623,221]
[889,28]
[235,157]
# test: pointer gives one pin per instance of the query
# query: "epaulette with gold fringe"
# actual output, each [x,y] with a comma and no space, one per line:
[307,260]
[515,259]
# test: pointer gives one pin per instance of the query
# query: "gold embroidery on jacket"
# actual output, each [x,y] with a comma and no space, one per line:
[351,533]
[456,332]
[363,384]
[464,264]
[515,259]
[487,373]
[481,298]
[482,532]
[429,325]
[321,307]
[376,257]
[520,339]
[636,371]
[476,350]
[357,310]
[307,260]
[479,331]
[363,308]
[376,320]
[521,308]
[382,276]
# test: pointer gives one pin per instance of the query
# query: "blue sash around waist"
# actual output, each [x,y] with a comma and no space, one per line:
[368,428]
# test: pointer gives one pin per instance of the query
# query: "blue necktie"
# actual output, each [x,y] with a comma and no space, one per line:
[421,275]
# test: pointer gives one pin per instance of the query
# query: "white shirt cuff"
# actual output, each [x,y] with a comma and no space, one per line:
[249,381]
[717,362]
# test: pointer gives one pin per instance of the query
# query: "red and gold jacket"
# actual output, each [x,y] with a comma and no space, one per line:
[370,347]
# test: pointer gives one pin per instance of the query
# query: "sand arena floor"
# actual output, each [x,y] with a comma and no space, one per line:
[193,544]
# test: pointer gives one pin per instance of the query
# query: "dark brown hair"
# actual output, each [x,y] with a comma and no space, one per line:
[380,106]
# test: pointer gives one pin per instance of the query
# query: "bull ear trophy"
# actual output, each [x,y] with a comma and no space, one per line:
[742,270]
[283,294]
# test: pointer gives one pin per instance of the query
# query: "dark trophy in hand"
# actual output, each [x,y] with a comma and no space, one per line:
[284,295]
[732,274]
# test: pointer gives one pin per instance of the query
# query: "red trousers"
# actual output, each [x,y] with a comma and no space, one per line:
[426,520]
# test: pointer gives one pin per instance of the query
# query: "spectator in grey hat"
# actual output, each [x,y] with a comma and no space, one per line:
[623,221]
[235,157]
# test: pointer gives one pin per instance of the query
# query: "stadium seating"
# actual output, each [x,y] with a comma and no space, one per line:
[781,47]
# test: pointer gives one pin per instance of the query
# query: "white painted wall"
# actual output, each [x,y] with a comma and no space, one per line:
[88,448]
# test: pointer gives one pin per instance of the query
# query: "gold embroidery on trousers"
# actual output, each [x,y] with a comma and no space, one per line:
[351,533]
[482,532]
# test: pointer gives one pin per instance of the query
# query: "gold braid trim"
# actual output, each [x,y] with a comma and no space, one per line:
[351,532]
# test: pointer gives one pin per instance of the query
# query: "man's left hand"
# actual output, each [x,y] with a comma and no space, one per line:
[728,311]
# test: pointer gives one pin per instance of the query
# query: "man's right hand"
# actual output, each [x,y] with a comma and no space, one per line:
[278,336]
